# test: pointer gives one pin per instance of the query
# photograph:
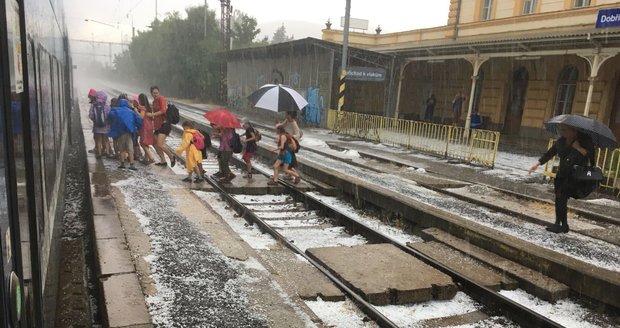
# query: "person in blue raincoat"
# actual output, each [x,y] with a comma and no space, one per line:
[124,125]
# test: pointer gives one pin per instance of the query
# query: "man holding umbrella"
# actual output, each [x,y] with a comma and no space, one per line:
[578,136]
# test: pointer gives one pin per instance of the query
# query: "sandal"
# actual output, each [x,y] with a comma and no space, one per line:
[296,181]
[272,182]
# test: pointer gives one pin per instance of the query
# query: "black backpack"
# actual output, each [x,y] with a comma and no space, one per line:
[172,114]
[235,143]
[100,117]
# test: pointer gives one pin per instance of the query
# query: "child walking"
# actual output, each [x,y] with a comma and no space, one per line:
[193,142]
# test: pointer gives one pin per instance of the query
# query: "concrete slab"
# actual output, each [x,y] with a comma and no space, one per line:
[107,227]
[529,280]
[255,186]
[536,212]
[610,235]
[458,320]
[383,274]
[124,302]
[114,257]
[308,282]
[103,206]
[469,267]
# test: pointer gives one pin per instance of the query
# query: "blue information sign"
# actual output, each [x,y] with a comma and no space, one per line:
[608,18]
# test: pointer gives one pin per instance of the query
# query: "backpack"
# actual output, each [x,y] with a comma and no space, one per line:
[100,116]
[207,143]
[172,114]
[235,143]
[293,144]
[198,140]
[257,135]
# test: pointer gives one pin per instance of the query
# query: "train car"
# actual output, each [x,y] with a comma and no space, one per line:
[36,100]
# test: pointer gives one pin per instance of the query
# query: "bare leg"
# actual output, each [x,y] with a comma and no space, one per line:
[163,148]
[276,169]
[147,153]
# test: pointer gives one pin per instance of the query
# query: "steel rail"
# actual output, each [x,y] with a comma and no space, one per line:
[250,216]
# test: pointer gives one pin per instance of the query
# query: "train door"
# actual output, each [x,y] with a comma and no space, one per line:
[19,259]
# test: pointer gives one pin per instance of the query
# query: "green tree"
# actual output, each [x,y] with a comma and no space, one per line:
[280,35]
[244,31]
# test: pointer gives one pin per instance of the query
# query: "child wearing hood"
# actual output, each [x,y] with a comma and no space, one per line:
[193,155]
[124,124]
[99,112]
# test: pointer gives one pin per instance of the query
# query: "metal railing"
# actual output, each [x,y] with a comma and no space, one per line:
[606,158]
[477,146]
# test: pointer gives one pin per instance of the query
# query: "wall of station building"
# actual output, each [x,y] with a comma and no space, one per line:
[444,79]
[314,69]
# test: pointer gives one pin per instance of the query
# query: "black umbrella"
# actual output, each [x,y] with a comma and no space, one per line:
[601,135]
[277,98]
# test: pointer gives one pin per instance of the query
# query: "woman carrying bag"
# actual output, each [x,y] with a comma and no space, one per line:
[573,148]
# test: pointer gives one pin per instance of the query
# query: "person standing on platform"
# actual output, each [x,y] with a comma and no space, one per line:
[431,101]
[572,148]
[250,144]
[162,128]
[457,107]
[99,112]
[193,156]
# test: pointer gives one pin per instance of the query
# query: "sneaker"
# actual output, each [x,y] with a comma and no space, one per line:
[187,179]
[122,166]
[110,156]
[198,179]
[217,174]
[132,167]
[92,151]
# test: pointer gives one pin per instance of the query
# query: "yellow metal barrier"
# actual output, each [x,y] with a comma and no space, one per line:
[607,159]
[478,146]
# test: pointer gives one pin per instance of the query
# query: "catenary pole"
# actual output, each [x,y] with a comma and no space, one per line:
[345,48]
[205,19]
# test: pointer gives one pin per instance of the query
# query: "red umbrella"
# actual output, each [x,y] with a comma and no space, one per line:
[223,118]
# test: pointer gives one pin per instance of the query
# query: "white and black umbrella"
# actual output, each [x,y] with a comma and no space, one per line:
[277,98]
[601,135]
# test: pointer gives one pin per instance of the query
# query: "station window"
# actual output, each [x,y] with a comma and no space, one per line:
[581,3]
[567,83]
[487,6]
[529,7]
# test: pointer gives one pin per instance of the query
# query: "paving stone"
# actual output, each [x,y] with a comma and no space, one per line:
[124,301]
[529,280]
[114,256]
[107,227]
[466,265]
[308,281]
[383,274]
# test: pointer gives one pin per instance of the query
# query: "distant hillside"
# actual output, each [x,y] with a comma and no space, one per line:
[299,29]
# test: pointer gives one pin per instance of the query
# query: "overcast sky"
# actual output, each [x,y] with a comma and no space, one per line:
[391,15]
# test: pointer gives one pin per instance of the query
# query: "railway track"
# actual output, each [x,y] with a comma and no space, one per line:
[493,301]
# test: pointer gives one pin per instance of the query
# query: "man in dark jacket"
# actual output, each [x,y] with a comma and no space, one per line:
[573,148]
[124,124]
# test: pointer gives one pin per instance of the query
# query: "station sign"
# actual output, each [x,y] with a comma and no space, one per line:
[608,18]
[358,73]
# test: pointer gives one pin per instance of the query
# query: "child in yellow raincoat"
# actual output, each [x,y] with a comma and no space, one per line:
[193,155]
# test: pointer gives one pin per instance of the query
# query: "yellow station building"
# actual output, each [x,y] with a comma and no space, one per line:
[519,62]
